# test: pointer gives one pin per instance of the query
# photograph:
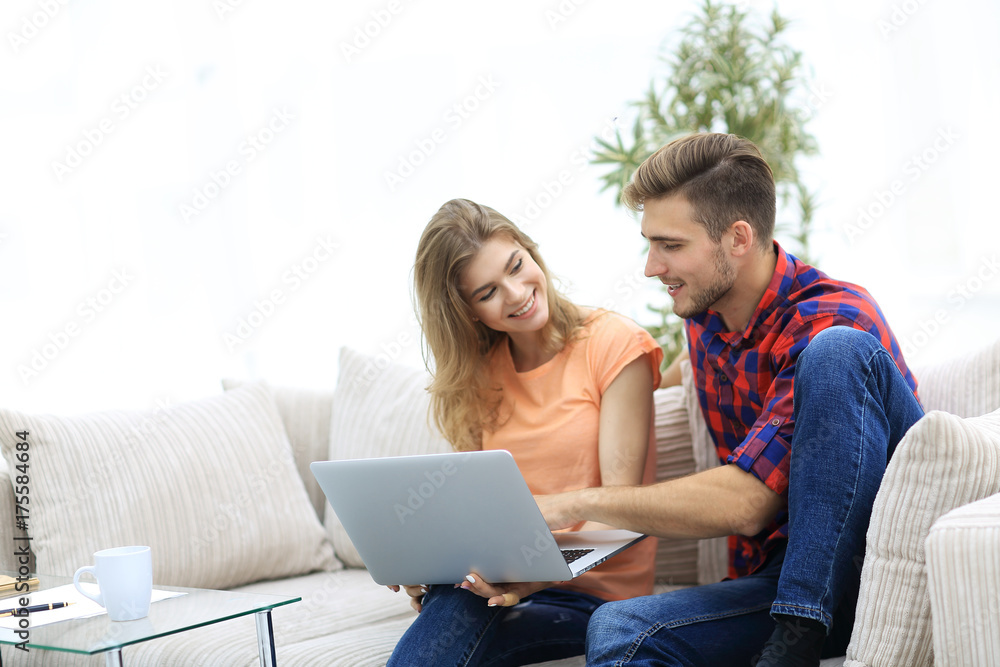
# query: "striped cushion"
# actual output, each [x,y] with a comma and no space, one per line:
[943,462]
[967,386]
[963,577]
[210,485]
[676,560]
[306,416]
[379,409]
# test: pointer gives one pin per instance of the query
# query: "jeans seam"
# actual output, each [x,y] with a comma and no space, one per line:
[714,617]
[479,639]
[824,618]
[653,629]
[637,642]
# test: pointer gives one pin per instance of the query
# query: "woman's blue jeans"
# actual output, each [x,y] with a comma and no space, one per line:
[851,408]
[457,628]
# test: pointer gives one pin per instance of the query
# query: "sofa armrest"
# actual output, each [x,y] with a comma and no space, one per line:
[963,573]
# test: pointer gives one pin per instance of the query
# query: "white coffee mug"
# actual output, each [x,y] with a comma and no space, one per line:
[125,579]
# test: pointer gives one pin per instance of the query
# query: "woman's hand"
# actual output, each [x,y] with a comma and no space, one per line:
[416,594]
[502,595]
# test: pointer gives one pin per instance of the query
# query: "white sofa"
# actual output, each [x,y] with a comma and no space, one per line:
[220,488]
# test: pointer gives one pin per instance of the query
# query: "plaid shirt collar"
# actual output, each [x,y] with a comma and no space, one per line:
[774,296]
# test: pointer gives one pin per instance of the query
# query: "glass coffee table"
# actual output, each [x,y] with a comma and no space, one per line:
[198,607]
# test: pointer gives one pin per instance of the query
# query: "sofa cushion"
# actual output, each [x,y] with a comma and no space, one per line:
[210,485]
[306,416]
[713,553]
[967,386]
[963,571]
[942,462]
[676,560]
[380,409]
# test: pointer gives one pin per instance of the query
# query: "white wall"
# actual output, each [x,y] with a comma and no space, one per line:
[115,295]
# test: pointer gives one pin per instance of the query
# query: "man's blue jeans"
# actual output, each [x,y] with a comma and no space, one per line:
[851,408]
[457,628]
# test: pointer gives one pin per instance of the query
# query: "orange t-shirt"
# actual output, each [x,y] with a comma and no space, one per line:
[550,422]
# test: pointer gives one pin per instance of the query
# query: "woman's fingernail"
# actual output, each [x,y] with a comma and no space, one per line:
[492,604]
[470,578]
[423,588]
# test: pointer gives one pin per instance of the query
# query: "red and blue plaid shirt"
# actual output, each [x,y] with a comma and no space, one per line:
[744,379]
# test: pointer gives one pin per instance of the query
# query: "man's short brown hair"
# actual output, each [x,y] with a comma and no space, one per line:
[723,176]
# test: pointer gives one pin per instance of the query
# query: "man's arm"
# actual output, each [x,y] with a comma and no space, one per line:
[672,375]
[714,503]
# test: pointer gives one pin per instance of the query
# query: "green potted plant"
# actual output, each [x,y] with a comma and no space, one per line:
[732,71]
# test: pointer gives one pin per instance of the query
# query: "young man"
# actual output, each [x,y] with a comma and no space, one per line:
[805,392]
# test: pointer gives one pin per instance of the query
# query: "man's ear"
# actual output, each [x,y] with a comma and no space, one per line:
[741,238]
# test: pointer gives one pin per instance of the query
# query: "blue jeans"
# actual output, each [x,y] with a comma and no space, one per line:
[851,407]
[456,627]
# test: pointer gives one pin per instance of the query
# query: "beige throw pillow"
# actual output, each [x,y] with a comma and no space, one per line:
[963,576]
[379,409]
[306,416]
[942,463]
[210,485]
[676,560]
[713,553]
[967,386]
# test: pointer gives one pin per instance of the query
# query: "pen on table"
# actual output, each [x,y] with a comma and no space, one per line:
[35,607]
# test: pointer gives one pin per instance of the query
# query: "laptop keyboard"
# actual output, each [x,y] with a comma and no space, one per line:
[573,554]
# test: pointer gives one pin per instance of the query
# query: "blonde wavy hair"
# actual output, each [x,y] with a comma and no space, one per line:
[463,401]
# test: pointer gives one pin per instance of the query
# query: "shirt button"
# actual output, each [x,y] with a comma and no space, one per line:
[722,378]
[775,422]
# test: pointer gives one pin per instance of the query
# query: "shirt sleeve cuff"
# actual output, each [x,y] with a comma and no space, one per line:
[765,453]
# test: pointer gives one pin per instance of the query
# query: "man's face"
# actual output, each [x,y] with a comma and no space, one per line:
[697,272]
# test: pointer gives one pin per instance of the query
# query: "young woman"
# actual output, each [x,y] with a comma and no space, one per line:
[565,389]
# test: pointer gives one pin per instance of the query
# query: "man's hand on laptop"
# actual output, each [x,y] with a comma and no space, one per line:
[559,509]
[502,595]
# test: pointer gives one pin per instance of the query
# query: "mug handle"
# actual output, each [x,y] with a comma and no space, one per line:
[76,583]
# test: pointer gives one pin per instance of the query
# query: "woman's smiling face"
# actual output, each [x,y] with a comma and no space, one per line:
[505,288]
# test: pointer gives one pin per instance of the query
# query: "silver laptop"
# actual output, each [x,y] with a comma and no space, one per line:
[432,519]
